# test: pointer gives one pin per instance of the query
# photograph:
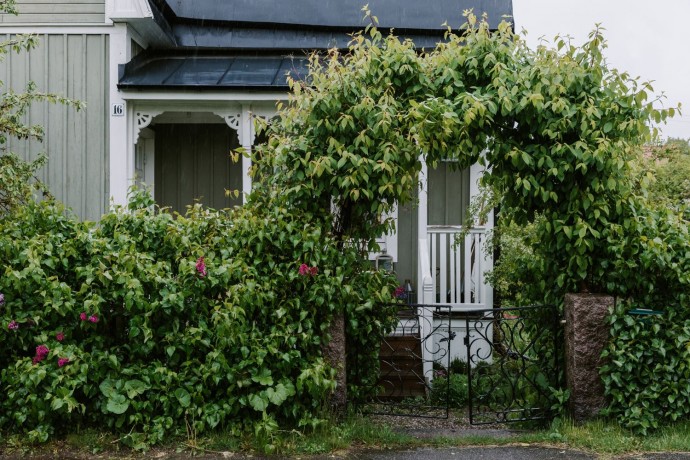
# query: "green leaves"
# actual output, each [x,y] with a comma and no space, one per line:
[135,388]
[117,404]
[169,343]
[646,375]
[183,397]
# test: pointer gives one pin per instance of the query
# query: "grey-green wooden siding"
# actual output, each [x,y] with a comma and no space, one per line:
[449,197]
[75,66]
[193,163]
[53,11]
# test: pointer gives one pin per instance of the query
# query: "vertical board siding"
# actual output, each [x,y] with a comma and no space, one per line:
[76,142]
[448,199]
[193,163]
[52,11]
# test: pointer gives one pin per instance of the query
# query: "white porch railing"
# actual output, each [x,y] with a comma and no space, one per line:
[451,272]
[457,264]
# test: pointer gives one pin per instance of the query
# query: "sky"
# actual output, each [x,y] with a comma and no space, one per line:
[647,39]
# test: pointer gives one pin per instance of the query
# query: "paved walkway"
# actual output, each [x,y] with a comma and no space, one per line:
[475,453]
[501,453]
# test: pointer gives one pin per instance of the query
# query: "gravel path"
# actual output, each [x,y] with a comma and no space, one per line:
[456,425]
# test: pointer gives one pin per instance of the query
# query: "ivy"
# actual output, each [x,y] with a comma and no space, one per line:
[646,375]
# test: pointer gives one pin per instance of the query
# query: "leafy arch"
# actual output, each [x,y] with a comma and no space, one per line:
[555,127]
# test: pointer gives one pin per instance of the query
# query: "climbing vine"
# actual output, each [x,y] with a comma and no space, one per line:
[555,127]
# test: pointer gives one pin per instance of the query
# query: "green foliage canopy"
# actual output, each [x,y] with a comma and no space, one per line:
[556,128]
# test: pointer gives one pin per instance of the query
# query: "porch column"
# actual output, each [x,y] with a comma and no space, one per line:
[121,166]
[424,287]
[422,223]
[246,135]
[476,173]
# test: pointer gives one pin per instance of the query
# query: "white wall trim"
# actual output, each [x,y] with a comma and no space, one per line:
[195,96]
[121,150]
[121,10]
[142,119]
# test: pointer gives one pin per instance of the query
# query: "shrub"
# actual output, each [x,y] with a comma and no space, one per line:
[451,387]
[154,324]
[647,371]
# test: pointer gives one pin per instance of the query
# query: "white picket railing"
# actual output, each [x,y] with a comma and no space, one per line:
[451,272]
[456,265]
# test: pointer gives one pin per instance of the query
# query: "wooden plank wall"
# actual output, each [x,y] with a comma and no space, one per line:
[449,197]
[76,142]
[193,163]
[52,11]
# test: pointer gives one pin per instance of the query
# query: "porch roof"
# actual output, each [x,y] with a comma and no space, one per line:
[211,71]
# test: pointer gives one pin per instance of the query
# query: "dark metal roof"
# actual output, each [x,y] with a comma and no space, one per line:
[210,39]
[399,14]
[151,71]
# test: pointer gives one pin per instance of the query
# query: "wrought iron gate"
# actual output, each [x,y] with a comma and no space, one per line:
[513,365]
[409,357]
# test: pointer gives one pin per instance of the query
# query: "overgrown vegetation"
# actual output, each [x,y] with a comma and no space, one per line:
[153,325]
[211,320]
[669,164]
[647,370]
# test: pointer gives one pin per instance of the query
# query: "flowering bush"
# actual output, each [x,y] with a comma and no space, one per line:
[152,321]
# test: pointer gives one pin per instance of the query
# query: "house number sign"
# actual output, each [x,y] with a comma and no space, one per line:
[118,110]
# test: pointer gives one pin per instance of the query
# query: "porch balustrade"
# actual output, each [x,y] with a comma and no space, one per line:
[456,263]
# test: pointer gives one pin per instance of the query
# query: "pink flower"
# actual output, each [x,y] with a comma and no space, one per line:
[62,361]
[13,326]
[304,270]
[36,360]
[82,316]
[60,336]
[42,351]
[93,318]
[2,299]
[201,267]
[399,292]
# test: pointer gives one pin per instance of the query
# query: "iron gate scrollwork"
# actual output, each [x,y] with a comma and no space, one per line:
[511,362]
[513,365]
[410,356]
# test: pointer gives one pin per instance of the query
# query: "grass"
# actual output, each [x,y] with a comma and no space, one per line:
[608,439]
[601,437]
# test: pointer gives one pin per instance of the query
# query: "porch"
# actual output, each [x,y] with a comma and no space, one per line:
[180,148]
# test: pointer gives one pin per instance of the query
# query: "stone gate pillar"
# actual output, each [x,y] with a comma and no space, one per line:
[586,335]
